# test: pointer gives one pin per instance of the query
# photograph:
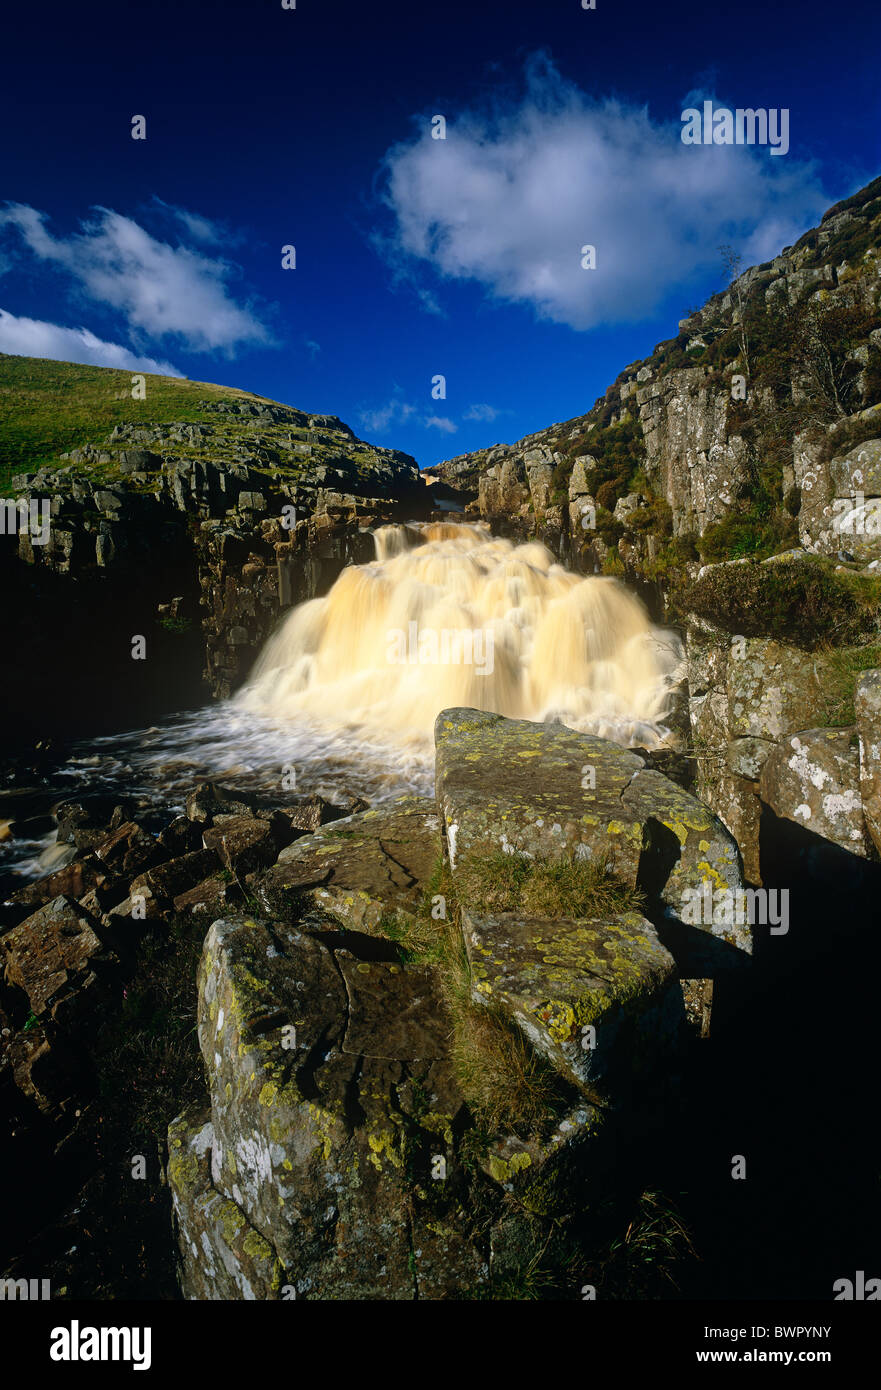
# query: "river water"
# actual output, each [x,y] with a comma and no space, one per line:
[344,696]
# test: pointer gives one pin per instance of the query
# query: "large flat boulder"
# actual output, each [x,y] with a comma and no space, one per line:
[599,999]
[549,793]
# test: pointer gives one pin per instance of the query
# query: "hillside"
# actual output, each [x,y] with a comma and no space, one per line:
[722,443]
[47,407]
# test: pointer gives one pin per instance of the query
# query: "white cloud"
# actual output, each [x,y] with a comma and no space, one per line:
[22,337]
[481,412]
[199,227]
[509,198]
[162,290]
[398,411]
[395,412]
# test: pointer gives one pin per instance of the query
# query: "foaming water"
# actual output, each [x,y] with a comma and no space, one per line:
[449,615]
[345,694]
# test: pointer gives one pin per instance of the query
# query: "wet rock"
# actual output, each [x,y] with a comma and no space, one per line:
[208,800]
[74,880]
[83,823]
[309,812]
[130,849]
[180,836]
[242,843]
[51,949]
[177,875]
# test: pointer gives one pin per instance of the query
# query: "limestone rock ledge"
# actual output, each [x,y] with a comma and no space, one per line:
[342,1153]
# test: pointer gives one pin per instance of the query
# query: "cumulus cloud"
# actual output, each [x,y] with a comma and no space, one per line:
[440,422]
[23,337]
[514,192]
[160,289]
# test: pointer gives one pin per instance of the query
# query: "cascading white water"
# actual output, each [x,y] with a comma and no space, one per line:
[449,615]
[346,692]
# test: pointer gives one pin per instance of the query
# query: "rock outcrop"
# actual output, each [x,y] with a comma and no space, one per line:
[347,1026]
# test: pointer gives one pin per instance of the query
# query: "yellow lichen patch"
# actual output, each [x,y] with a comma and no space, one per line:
[383,1142]
[268,1093]
[256,1247]
[559,1019]
[231,1221]
[502,1170]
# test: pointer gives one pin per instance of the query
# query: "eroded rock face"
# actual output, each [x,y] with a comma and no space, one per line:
[813,778]
[867,703]
[338,1156]
[758,713]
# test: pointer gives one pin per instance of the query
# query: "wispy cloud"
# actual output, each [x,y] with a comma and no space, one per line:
[23,337]
[481,411]
[399,411]
[512,194]
[396,412]
[199,228]
[162,291]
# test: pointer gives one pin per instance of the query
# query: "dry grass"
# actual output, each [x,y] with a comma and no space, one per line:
[506,1084]
[558,888]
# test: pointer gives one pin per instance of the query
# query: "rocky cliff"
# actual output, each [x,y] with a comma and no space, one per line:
[737,437]
[194,534]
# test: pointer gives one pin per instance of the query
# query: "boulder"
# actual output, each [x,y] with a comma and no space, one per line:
[130,849]
[549,793]
[174,877]
[361,869]
[49,950]
[243,843]
[813,778]
[310,1137]
[558,978]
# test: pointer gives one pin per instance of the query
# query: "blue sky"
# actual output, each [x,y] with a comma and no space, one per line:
[414,257]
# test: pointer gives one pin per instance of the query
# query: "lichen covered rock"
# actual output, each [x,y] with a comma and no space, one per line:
[547,792]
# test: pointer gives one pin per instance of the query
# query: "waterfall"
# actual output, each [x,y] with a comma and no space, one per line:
[446,615]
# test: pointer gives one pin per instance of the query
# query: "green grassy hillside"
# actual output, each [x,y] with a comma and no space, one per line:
[48,408]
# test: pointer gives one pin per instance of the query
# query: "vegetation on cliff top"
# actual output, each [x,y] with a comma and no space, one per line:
[803,600]
[48,407]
